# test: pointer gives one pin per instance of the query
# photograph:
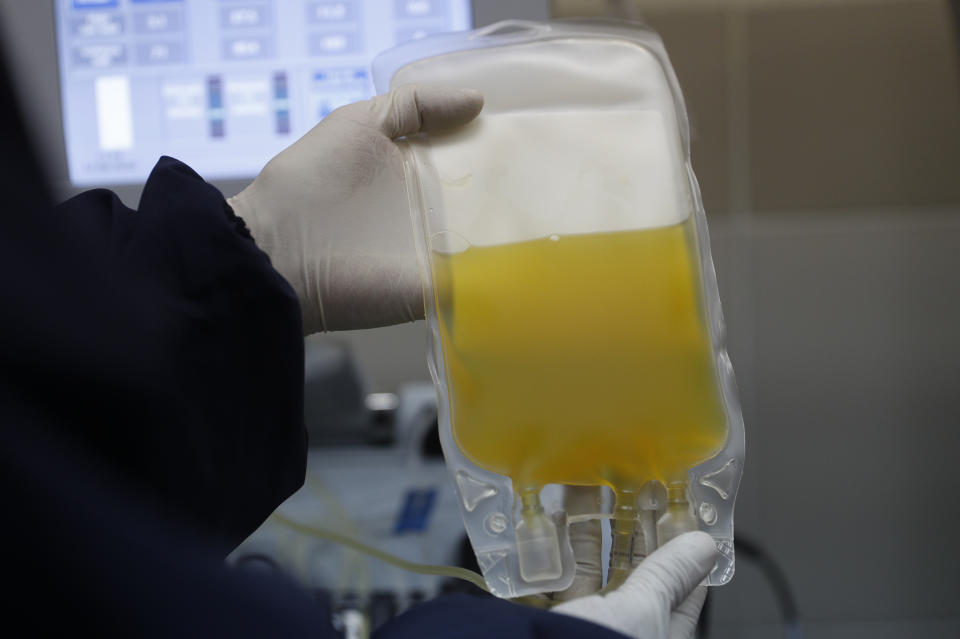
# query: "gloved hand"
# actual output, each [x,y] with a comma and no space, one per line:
[661,599]
[332,213]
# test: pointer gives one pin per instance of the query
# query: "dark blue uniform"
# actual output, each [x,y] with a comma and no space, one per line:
[151,379]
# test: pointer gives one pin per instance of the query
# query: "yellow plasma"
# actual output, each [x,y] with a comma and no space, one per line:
[580,359]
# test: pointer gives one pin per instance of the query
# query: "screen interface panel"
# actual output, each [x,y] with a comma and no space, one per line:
[223,85]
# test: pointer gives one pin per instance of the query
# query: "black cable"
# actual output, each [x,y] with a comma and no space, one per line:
[746,548]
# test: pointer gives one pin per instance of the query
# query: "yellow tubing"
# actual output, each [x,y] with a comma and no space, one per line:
[424,569]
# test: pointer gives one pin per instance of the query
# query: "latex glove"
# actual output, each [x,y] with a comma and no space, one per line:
[332,212]
[662,598]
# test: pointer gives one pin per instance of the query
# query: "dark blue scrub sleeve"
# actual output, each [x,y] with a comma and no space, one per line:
[185,367]
[469,617]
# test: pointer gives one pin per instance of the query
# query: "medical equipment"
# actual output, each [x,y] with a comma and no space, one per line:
[376,521]
[222,86]
[577,336]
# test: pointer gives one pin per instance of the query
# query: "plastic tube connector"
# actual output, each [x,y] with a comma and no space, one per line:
[538,545]
[678,519]
[626,538]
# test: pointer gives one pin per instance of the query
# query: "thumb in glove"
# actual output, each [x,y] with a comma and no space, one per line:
[332,212]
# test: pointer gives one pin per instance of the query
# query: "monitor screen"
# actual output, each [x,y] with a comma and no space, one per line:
[223,85]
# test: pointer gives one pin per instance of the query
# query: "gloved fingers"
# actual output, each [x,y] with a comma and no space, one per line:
[683,620]
[414,108]
[672,572]
[665,582]
[363,291]
[586,540]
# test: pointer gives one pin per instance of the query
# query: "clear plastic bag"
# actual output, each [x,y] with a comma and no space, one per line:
[577,335]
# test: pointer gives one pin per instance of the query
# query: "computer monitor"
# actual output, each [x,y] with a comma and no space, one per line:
[223,85]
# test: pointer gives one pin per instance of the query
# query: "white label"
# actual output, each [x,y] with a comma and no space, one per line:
[114,113]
